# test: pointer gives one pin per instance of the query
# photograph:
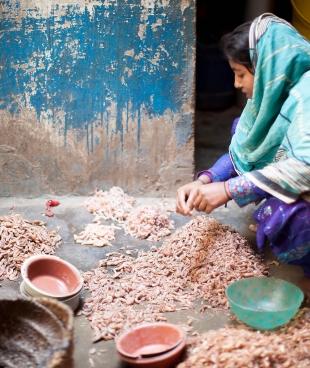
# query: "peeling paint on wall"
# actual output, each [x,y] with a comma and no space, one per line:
[43,8]
[185,4]
[83,67]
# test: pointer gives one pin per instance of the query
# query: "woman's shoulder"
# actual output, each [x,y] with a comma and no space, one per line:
[299,95]
[303,84]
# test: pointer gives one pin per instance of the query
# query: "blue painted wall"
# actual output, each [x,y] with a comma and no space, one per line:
[91,75]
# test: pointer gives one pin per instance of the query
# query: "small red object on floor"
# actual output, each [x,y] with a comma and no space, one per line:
[48,207]
[52,203]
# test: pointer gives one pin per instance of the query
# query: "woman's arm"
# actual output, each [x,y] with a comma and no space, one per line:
[243,191]
[211,196]
[222,170]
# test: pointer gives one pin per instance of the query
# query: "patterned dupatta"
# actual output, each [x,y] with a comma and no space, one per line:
[271,145]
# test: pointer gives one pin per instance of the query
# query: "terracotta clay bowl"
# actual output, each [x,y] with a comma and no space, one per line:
[35,334]
[50,276]
[73,301]
[152,345]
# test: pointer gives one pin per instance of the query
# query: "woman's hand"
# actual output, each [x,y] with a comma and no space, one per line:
[186,196]
[209,197]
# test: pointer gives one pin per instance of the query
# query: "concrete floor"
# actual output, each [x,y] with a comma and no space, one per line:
[71,217]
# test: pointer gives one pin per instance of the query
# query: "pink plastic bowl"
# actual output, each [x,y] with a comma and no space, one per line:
[50,276]
[144,337]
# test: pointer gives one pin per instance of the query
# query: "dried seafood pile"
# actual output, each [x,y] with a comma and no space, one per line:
[198,260]
[20,239]
[96,234]
[113,204]
[288,347]
[146,222]
[143,222]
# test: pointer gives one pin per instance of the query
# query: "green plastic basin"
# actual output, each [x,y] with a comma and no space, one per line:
[264,303]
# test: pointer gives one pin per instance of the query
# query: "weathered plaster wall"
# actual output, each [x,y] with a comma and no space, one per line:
[94,94]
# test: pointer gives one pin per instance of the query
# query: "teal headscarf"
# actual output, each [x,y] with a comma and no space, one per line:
[276,120]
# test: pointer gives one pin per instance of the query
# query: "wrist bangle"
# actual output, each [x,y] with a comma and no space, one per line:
[226,191]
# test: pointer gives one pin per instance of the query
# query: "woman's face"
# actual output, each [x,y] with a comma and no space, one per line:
[244,79]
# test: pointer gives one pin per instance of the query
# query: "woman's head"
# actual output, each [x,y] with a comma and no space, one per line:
[235,46]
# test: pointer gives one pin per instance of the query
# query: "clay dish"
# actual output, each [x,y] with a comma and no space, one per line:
[35,335]
[73,301]
[50,276]
[153,345]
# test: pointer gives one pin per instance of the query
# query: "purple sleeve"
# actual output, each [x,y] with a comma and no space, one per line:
[243,191]
[234,126]
[222,170]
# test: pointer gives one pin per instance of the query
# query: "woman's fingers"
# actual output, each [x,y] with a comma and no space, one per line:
[197,201]
[203,205]
[178,205]
[192,198]
[181,206]
[208,208]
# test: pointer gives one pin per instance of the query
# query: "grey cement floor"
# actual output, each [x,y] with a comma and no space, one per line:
[71,217]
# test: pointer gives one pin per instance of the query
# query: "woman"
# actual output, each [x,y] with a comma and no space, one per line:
[269,155]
